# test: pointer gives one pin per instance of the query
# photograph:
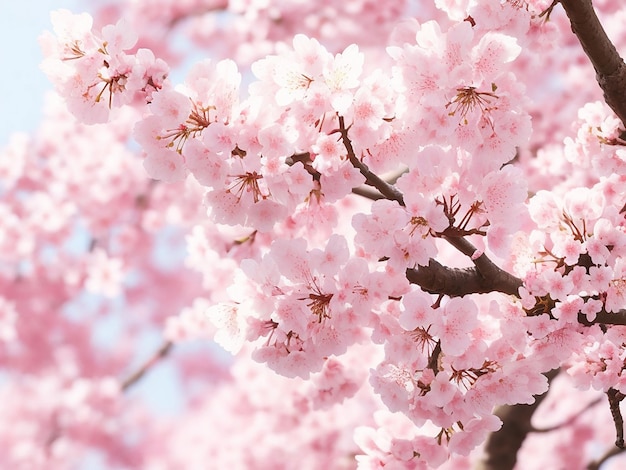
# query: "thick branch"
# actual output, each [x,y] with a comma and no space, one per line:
[604,318]
[615,397]
[485,277]
[457,282]
[367,193]
[489,276]
[609,66]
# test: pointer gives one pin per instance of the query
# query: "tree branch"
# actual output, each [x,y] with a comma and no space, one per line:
[372,179]
[367,193]
[159,354]
[615,397]
[604,318]
[457,282]
[491,274]
[165,348]
[612,452]
[485,277]
[609,66]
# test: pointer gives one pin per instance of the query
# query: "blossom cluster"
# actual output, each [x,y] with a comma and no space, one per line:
[579,248]
[305,204]
[97,71]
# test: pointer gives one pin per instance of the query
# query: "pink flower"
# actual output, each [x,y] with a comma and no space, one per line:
[558,286]
[491,53]
[165,165]
[342,75]
[503,194]
[231,326]
[459,318]
[473,433]
[544,210]
[95,72]
[328,152]
[417,311]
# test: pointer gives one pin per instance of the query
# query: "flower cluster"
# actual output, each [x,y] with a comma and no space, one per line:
[447,367]
[456,87]
[580,243]
[321,211]
[300,306]
[96,72]
[598,144]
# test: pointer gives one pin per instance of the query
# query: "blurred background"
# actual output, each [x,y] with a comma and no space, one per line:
[24,87]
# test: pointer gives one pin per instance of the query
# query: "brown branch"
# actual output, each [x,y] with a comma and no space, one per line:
[615,397]
[502,446]
[488,276]
[159,354]
[462,244]
[604,318]
[305,159]
[485,277]
[367,193]
[612,452]
[371,179]
[457,282]
[437,279]
[609,66]
[433,361]
[375,195]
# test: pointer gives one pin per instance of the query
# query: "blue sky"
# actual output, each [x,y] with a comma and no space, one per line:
[22,84]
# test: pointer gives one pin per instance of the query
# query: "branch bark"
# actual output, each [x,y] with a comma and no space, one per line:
[609,66]
[371,178]
[457,282]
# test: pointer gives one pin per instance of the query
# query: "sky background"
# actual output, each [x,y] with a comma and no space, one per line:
[22,84]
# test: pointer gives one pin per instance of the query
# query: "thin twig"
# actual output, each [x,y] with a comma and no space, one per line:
[571,419]
[165,348]
[372,179]
[159,354]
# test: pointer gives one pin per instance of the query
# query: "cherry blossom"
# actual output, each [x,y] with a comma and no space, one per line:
[94,68]
[365,235]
